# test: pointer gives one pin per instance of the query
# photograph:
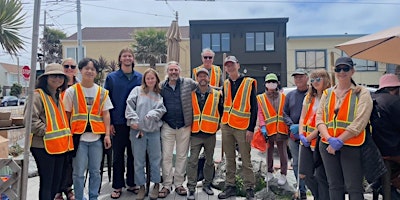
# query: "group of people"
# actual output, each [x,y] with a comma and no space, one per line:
[146,119]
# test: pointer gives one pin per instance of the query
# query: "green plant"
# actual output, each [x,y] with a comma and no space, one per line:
[16,90]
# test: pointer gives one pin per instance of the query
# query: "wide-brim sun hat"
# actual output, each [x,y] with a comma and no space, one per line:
[52,68]
[389,80]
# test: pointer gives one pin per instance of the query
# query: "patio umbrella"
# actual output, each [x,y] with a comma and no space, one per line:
[383,46]
[174,37]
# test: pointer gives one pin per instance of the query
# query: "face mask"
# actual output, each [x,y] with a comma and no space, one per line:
[272,86]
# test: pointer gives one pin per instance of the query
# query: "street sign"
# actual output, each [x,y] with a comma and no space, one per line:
[26,72]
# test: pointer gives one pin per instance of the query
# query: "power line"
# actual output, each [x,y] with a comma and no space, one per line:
[300,2]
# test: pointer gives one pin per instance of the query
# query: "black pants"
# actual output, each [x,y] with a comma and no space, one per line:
[120,143]
[66,182]
[50,172]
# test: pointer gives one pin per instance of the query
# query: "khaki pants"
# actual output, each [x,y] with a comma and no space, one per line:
[231,136]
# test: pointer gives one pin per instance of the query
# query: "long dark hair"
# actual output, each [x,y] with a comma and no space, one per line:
[42,84]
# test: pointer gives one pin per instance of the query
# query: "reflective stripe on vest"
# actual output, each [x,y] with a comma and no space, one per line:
[215,76]
[237,113]
[309,120]
[337,124]
[58,138]
[206,120]
[273,121]
[80,114]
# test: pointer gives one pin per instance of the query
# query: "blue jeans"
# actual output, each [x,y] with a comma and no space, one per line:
[294,150]
[150,142]
[88,156]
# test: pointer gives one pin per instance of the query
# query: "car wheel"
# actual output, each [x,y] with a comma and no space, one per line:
[5,104]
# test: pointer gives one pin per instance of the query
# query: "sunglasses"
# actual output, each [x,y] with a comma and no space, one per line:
[207,57]
[345,69]
[318,79]
[68,66]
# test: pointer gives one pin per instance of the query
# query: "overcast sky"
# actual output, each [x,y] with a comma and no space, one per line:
[306,17]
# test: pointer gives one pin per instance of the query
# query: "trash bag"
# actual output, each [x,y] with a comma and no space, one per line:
[258,141]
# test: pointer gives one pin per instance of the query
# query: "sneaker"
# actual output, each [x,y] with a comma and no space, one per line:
[208,190]
[191,195]
[303,196]
[269,177]
[229,192]
[282,179]
[250,194]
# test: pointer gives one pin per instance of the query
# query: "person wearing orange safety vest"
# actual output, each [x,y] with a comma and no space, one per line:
[51,137]
[215,72]
[237,126]
[341,119]
[88,105]
[207,109]
[311,168]
[274,129]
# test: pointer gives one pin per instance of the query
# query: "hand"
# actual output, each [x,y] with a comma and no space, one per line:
[134,126]
[264,132]
[304,140]
[335,143]
[112,130]
[249,136]
[107,142]
[294,129]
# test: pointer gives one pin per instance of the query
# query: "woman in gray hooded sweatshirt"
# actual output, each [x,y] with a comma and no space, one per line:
[143,113]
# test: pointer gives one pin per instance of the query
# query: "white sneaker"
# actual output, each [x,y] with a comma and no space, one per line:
[281,179]
[269,177]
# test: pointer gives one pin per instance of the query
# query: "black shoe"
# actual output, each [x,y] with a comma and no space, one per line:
[303,196]
[191,195]
[250,194]
[229,192]
[208,190]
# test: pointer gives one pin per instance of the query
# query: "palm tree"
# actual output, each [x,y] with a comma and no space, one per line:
[150,46]
[11,21]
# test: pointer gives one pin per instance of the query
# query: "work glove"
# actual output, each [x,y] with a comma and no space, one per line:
[294,129]
[335,143]
[264,132]
[304,140]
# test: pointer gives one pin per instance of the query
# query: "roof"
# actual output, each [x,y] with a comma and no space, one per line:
[325,36]
[239,21]
[10,68]
[118,33]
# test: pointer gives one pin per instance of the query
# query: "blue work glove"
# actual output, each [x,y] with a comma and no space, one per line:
[335,143]
[264,132]
[304,140]
[294,129]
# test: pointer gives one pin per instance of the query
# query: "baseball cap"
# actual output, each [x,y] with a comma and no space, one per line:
[389,80]
[271,77]
[344,61]
[230,59]
[202,70]
[299,71]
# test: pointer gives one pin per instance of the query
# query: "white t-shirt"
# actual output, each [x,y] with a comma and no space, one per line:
[90,94]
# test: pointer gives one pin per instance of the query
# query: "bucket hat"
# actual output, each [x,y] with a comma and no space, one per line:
[52,68]
[389,80]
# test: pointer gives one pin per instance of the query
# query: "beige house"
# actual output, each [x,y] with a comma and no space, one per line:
[9,75]
[108,42]
[312,52]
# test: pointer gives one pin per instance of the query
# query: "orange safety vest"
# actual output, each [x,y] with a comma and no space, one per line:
[273,121]
[207,119]
[309,121]
[80,115]
[237,113]
[58,137]
[337,124]
[215,75]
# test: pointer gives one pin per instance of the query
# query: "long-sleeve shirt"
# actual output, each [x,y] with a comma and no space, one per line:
[293,106]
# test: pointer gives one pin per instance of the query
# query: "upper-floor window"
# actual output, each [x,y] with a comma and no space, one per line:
[72,52]
[260,41]
[310,59]
[218,42]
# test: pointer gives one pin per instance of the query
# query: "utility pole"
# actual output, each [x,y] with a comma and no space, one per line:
[18,74]
[79,33]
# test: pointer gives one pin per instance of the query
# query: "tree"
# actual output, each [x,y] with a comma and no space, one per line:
[103,67]
[150,46]
[51,45]
[11,21]
[16,90]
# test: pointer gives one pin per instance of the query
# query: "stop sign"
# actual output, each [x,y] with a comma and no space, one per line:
[26,72]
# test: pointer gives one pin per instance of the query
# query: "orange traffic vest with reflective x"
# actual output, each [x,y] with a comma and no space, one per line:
[215,76]
[208,119]
[273,121]
[337,123]
[58,137]
[237,112]
[80,115]
[309,121]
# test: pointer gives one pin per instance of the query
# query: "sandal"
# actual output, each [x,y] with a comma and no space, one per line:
[116,194]
[181,191]
[70,194]
[59,196]
[134,190]
[163,193]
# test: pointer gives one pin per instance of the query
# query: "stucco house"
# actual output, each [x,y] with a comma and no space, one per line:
[9,76]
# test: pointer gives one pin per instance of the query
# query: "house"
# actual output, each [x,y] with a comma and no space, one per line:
[258,44]
[8,76]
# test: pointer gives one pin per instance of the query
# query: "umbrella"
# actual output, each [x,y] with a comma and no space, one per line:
[173,37]
[383,46]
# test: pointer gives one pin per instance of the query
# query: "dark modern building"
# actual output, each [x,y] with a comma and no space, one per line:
[258,44]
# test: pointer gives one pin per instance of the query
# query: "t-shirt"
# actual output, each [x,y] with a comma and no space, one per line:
[90,94]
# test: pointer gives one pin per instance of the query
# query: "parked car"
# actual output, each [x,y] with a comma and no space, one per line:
[22,100]
[9,101]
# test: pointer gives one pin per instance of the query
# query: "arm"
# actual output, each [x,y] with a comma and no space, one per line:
[323,130]
[286,110]
[253,109]
[132,118]
[106,120]
[261,119]
[158,111]
[303,114]
[38,125]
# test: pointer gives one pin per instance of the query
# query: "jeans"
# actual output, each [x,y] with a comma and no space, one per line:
[294,149]
[150,143]
[88,156]
[120,143]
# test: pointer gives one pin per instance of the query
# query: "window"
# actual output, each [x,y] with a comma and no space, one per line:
[363,65]
[260,41]
[218,42]
[72,52]
[311,59]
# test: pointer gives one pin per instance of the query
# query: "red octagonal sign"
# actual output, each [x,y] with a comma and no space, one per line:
[26,72]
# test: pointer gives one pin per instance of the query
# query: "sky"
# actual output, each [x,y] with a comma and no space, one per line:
[306,17]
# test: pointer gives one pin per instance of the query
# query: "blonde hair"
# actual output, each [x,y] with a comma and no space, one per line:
[318,73]
[145,88]
[68,59]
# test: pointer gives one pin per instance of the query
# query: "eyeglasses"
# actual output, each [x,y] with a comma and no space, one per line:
[345,69]
[207,57]
[318,79]
[68,66]
[56,76]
